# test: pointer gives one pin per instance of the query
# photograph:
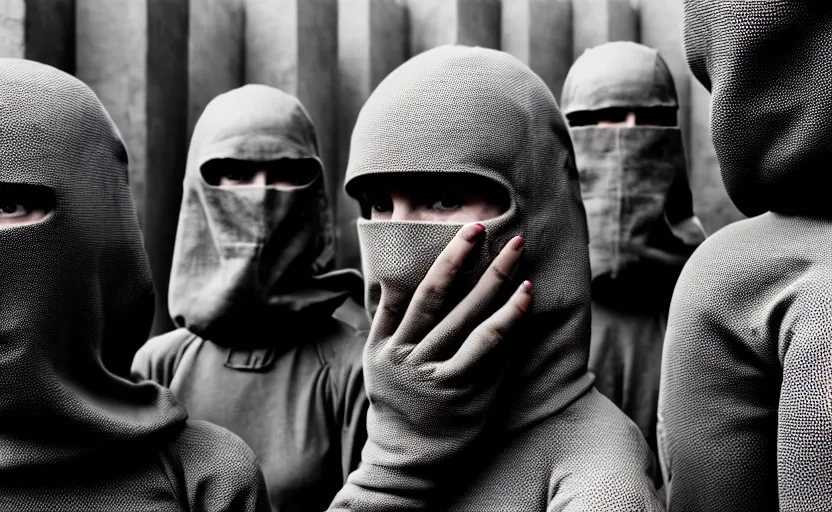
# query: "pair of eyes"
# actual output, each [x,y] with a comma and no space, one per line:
[285,172]
[381,203]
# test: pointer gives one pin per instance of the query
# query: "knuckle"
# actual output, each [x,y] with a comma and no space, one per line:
[499,274]
[431,296]
[493,331]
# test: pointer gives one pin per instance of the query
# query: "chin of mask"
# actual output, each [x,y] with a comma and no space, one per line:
[638,205]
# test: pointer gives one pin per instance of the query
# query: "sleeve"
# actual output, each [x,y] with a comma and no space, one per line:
[158,359]
[804,430]
[354,417]
[719,384]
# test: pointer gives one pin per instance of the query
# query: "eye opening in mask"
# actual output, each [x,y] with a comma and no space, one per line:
[430,196]
[643,116]
[283,174]
[22,204]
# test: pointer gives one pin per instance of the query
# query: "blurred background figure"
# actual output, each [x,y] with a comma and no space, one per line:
[621,104]
[259,350]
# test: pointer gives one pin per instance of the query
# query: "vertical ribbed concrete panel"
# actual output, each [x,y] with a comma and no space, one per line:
[372,42]
[468,22]
[539,33]
[50,33]
[601,21]
[13,28]
[710,199]
[134,55]
[215,53]
[111,57]
[292,45]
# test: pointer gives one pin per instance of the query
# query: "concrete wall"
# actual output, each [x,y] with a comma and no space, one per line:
[156,64]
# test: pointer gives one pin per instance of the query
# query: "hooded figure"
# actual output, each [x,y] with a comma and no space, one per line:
[75,284]
[639,211]
[744,411]
[259,350]
[552,441]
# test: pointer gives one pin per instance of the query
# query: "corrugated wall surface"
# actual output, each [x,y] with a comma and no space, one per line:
[155,64]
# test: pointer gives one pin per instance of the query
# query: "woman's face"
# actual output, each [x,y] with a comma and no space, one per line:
[433,197]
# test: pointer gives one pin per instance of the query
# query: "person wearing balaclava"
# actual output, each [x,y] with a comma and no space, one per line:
[744,410]
[74,283]
[431,145]
[266,347]
[621,104]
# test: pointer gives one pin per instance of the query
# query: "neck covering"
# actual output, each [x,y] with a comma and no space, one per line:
[73,284]
[767,67]
[633,178]
[482,112]
[248,256]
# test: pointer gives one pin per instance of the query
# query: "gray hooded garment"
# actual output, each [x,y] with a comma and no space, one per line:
[745,421]
[640,217]
[260,351]
[553,442]
[73,435]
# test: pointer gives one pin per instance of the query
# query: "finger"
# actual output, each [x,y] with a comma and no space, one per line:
[391,308]
[470,311]
[488,335]
[429,297]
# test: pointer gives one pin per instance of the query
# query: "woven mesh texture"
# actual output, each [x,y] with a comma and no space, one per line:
[748,342]
[767,66]
[73,436]
[479,111]
[620,74]
[744,419]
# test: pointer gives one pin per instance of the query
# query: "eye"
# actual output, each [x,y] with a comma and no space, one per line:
[447,203]
[382,205]
[10,210]
[238,175]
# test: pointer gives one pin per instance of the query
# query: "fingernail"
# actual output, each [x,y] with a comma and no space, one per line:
[519,243]
[528,286]
[474,231]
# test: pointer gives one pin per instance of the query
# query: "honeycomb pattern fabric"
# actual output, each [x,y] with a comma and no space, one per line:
[744,420]
[744,417]
[74,436]
[768,69]
[480,111]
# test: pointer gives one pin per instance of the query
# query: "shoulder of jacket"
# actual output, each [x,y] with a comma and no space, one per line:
[208,450]
[172,342]
[215,469]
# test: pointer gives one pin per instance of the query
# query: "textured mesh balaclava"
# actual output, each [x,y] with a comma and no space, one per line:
[482,112]
[72,285]
[245,256]
[633,178]
[768,69]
